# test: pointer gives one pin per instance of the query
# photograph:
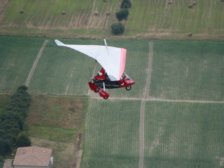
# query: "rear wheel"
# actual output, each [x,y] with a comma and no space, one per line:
[105,97]
[128,88]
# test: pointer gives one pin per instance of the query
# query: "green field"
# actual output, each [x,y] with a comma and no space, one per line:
[188,70]
[176,135]
[172,117]
[111,135]
[17,56]
[183,135]
[147,18]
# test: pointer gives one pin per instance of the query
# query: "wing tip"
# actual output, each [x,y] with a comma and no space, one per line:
[59,43]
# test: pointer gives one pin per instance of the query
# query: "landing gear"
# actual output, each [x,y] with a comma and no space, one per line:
[103,94]
[128,88]
[99,90]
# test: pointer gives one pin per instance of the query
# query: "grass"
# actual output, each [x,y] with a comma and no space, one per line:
[59,72]
[183,135]
[58,119]
[188,70]
[111,135]
[53,133]
[17,56]
[58,114]
[56,122]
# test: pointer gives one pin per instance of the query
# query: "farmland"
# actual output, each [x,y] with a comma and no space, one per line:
[47,17]
[172,116]
[183,135]
[147,18]
[13,55]
[101,148]
[162,17]
[198,71]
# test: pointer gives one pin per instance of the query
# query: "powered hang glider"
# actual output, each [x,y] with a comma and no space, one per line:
[112,60]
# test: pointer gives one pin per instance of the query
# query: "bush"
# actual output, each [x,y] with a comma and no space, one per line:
[23,140]
[117,28]
[126,4]
[122,14]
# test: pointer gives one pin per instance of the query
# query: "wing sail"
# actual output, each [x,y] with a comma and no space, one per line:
[113,63]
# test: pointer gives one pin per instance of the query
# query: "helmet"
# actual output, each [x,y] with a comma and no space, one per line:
[100,73]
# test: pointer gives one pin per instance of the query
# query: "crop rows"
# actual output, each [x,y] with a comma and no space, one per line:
[178,17]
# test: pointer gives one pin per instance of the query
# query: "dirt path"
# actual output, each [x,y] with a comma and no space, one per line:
[142,107]
[154,99]
[185,101]
[27,83]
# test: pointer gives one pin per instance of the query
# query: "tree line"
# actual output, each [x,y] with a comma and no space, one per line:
[12,122]
[118,28]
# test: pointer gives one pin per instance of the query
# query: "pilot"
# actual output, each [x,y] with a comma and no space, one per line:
[101,75]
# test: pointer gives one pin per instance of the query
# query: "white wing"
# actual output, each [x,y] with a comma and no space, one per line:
[113,63]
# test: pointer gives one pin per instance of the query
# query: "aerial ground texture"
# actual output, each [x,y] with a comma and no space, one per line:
[159,123]
[173,116]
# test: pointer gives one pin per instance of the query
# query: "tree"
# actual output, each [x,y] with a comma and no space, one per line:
[12,120]
[126,4]
[117,28]
[5,147]
[23,140]
[122,14]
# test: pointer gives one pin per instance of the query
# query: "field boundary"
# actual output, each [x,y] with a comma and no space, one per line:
[142,107]
[154,99]
[32,70]
[186,101]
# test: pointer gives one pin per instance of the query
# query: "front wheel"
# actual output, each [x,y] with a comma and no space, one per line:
[128,88]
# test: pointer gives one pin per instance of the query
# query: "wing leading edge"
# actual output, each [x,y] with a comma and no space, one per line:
[112,59]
